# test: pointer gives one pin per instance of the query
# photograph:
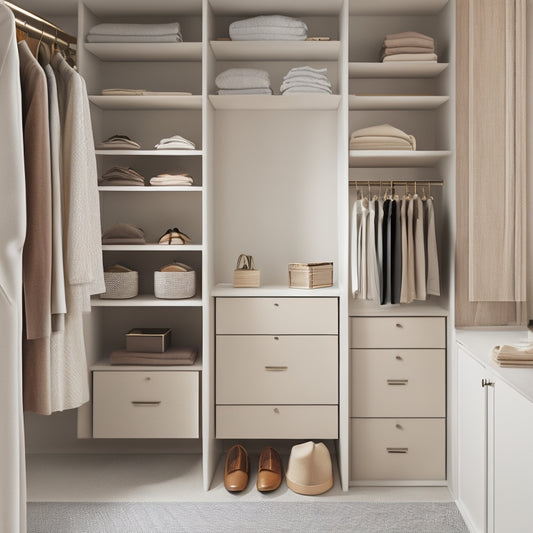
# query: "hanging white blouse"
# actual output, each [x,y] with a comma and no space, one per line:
[433,277]
[373,291]
[354,246]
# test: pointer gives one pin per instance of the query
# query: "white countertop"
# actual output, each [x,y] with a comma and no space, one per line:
[479,342]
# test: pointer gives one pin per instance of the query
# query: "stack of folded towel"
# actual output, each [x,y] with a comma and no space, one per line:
[121,176]
[123,233]
[518,356]
[243,81]
[176,142]
[135,33]
[171,178]
[118,142]
[268,28]
[408,46]
[383,137]
[306,80]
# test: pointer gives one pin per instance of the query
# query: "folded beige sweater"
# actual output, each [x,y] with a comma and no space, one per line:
[409,41]
[407,34]
[406,50]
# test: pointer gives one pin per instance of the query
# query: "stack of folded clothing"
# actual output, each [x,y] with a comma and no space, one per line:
[121,176]
[383,137]
[135,33]
[268,28]
[142,92]
[408,46]
[306,80]
[171,178]
[176,142]
[118,142]
[243,81]
[518,356]
[123,233]
[172,356]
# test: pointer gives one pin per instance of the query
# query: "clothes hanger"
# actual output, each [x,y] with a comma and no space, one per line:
[429,185]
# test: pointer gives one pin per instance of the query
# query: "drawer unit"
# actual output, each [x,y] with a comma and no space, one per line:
[388,383]
[151,404]
[277,421]
[276,369]
[277,316]
[398,449]
[398,332]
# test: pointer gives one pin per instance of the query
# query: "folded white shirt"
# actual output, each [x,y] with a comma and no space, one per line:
[243,78]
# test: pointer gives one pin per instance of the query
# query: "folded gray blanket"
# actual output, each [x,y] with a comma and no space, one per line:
[243,78]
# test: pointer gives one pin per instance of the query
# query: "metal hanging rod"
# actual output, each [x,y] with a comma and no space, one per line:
[42,28]
[389,183]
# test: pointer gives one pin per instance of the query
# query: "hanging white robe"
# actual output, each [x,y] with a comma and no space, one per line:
[12,234]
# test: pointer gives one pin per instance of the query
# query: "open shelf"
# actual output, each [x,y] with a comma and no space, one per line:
[396,7]
[105,365]
[400,69]
[396,102]
[147,300]
[251,8]
[149,188]
[152,247]
[276,50]
[183,153]
[146,51]
[146,102]
[396,158]
[309,102]
[282,291]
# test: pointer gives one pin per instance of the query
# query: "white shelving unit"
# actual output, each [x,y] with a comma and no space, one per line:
[146,51]
[158,153]
[118,188]
[146,102]
[395,102]
[298,102]
[405,69]
[147,300]
[396,158]
[393,7]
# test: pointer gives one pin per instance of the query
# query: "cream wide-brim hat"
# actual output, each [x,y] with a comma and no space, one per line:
[310,471]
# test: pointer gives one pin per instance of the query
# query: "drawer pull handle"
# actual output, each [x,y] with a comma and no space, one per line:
[398,325]
[399,426]
[154,404]
[276,305]
[397,450]
[276,410]
[276,368]
[399,358]
[276,338]
[397,381]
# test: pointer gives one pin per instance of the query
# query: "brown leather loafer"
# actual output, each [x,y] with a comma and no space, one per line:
[236,469]
[269,473]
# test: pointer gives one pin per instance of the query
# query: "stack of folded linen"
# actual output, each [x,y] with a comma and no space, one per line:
[383,137]
[176,142]
[243,81]
[118,142]
[306,80]
[123,233]
[518,356]
[135,33]
[171,178]
[121,176]
[408,46]
[268,28]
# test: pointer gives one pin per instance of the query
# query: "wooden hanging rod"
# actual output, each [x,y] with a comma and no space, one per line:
[29,22]
[388,183]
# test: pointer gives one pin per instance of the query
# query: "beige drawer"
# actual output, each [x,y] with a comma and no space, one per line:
[265,369]
[398,332]
[277,316]
[145,404]
[277,422]
[406,383]
[397,449]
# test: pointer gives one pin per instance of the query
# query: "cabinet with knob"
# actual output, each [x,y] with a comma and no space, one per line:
[277,368]
[398,400]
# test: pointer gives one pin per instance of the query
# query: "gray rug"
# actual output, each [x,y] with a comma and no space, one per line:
[244,517]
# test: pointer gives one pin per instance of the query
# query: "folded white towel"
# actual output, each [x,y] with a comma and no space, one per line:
[243,78]
[309,69]
[267,30]
[173,38]
[305,80]
[268,37]
[111,28]
[176,142]
[269,20]
[306,89]
[431,58]
[244,91]
[161,182]
[508,351]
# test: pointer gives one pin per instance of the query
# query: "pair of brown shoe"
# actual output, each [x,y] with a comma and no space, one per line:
[237,469]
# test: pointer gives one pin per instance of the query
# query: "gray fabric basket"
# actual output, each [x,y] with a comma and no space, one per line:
[121,285]
[174,285]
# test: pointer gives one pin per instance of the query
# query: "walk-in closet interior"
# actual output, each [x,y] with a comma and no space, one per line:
[382,365]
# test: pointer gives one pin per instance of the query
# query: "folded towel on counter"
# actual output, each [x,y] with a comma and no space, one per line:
[410,41]
[142,92]
[243,78]
[118,142]
[244,91]
[381,137]
[411,57]
[176,142]
[508,352]
[172,356]
[268,28]
[120,32]
[122,176]
[173,38]
[123,233]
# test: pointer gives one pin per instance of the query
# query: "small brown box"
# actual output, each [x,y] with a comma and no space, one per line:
[310,275]
[152,340]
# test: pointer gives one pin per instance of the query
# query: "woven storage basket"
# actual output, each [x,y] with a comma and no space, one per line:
[174,285]
[121,285]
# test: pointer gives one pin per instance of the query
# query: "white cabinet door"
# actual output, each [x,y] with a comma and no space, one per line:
[513,461]
[472,433]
